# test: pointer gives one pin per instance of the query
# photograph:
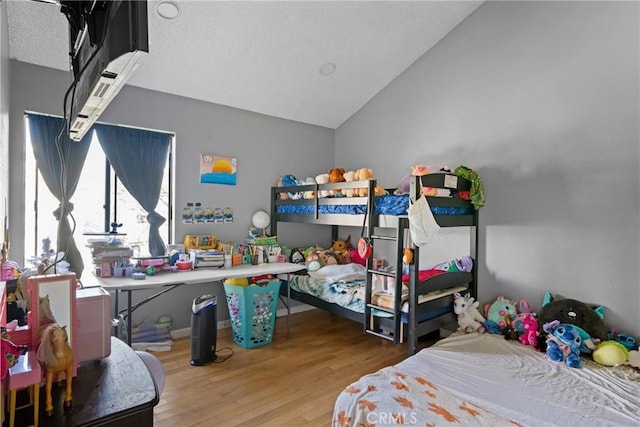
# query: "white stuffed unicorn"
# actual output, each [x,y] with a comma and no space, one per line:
[469,317]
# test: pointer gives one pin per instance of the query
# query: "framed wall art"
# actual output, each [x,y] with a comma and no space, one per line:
[218,169]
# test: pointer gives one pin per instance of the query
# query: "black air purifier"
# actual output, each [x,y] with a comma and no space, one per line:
[204,330]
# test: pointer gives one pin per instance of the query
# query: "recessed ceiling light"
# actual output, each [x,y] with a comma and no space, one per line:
[168,9]
[328,69]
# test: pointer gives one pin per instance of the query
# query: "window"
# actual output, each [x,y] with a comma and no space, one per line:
[100,203]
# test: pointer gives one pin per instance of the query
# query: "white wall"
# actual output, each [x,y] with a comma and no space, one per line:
[264,146]
[542,99]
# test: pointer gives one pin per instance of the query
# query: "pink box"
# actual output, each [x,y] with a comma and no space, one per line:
[93,335]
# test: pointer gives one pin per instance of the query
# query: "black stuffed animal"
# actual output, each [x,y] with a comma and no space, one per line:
[574,312]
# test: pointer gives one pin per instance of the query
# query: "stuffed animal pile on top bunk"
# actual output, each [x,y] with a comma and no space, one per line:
[333,175]
[565,329]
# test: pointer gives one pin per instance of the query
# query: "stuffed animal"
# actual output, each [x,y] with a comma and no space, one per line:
[313,262]
[336,175]
[628,341]
[530,326]
[282,196]
[610,353]
[309,194]
[420,170]
[297,256]
[289,180]
[563,343]
[404,186]
[342,245]
[365,174]
[323,178]
[509,332]
[495,311]
[587,319]
[349,176]
[327,257]
[469,318]
[524,311]
[356,258]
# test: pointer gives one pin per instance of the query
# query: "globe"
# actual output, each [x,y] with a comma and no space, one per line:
[261,219]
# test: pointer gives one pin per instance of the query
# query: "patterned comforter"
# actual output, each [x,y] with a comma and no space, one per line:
[393,397]
[346,294]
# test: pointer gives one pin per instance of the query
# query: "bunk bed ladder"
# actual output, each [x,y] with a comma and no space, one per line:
[386,322]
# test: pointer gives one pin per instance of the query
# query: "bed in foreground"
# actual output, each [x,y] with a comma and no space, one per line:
[482,379]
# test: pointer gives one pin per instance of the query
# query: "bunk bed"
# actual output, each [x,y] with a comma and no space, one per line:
[384,218]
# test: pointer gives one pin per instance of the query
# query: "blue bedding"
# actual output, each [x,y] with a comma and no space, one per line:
[391,204]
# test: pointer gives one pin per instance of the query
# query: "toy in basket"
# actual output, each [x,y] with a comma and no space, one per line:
[252,311]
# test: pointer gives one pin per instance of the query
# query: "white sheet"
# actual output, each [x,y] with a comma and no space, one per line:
[520,384]
[340,273]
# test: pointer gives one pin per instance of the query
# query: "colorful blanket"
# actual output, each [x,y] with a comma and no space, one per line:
[346,294]
[393,397]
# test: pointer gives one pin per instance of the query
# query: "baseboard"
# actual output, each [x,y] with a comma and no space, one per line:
[224,324]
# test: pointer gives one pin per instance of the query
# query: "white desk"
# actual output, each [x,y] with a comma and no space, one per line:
[199,275]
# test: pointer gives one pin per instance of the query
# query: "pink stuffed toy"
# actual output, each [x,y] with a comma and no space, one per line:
[530,326]
[355,257]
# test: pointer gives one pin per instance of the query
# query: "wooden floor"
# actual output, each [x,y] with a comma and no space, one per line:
[290,382]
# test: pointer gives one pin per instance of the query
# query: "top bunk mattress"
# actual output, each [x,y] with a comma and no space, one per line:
[391,204]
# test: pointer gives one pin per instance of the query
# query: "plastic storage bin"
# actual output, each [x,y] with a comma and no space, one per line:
[252,311]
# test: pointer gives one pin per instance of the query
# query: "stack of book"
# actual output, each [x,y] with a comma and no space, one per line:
[209,258]
[262,241]
[108,253]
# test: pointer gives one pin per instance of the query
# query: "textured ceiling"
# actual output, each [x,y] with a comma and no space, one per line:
[263,56]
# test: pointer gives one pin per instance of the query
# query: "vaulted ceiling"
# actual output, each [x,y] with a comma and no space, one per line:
[316,62]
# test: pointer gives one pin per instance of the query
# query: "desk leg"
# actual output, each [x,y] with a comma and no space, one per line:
[129,320]
[116,310]
[288,306]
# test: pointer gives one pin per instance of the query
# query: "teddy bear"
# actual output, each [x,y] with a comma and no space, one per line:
[364,174]
[323,178]
[349,176]
[336,175]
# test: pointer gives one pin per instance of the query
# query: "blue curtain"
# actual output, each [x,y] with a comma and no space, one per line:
[60,165]
[138,157]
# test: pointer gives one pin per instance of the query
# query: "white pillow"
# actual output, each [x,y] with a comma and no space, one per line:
[340,272]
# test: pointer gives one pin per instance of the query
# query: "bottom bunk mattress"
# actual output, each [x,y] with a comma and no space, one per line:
[344,285]
[482,379]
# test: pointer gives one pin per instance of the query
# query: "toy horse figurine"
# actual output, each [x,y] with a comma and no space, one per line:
[469,318]
[56,356]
